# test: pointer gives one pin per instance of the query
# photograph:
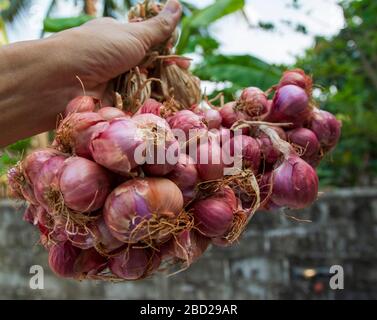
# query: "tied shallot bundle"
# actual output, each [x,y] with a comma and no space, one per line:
[150,183]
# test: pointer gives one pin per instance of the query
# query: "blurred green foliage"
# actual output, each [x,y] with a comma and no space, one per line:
[233,72]
[345,70]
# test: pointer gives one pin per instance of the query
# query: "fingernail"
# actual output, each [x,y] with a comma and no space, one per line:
[172,7]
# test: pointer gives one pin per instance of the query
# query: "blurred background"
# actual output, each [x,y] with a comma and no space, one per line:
[235,44]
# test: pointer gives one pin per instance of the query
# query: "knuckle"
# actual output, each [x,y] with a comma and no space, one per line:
[164,24]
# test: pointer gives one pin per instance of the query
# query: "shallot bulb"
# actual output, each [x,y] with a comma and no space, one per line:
[290,105]
[269,153]
[214,214]
[265,190]
[135,263]
[161,148]
[253,102]
[154,107]
[185,176]
[37,215]
[78,183]
[143,209]
[23,177]
[114,148]
[190,123]
[294,183]
[110,113]
[307,141]
[80,104]
[209,159]
[34,162]
[62,258]
[245,150]
[104,240]
[75,132]
[19,187]
[84,184]
[212,118]
[186,247]
[222,135]
[327,129]
[230,115]
[67,261]
[298,78]
[89,263]
[47,186]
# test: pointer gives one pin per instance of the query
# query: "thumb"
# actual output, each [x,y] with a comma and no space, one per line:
[158,29]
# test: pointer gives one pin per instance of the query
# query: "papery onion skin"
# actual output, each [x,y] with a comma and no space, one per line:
[253,101]
[295,184]
[19,187]
[14,183]
[269,152]
[131,205]
[80,104]
[134,264]
[214,215]
[84,184]
[306,140]
[48,181]
[327,129]
[110,113]
[115,147]
[290,105]
[75,132]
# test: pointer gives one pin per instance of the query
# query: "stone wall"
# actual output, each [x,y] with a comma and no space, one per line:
[270,262]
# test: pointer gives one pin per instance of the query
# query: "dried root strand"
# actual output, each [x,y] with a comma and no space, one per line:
[243,182]
[160,227]
[74,221]
[134,88]
[179,84]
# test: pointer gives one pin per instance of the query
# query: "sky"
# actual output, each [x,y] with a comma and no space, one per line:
[234,34]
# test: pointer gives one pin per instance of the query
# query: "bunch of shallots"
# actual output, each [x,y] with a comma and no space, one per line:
[127,191]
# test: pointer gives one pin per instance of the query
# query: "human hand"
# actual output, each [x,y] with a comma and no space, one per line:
[40,76]
[102,49]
